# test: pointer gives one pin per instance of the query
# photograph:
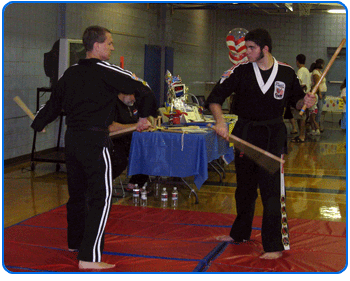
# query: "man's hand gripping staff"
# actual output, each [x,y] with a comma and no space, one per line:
[141,125]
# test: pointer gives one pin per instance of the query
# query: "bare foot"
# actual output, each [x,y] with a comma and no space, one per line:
[95,265]
[271,255]
[224,238]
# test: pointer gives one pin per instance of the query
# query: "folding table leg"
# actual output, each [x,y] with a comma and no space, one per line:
[192,190]
[216,170]
[221,168]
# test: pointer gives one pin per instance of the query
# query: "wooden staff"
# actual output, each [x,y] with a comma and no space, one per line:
[262,157]
[123,131]
[314,90]
[235,139]
[130,130]
[25,108]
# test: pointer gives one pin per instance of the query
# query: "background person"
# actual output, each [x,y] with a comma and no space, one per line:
[126,116]
[305,82]
[289,115]
[315,129]
[316,70]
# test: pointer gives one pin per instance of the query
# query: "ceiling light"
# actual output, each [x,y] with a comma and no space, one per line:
[337,11]
[289,6]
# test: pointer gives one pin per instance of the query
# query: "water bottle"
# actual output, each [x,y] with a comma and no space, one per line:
[156,191]
[164,198]
[174,198]
[144,196]
[136,195]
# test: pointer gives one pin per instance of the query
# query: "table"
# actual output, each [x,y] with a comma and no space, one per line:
[176,155]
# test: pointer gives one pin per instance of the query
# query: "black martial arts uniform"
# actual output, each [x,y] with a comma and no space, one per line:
[88,92]
[259,100]
[121,145]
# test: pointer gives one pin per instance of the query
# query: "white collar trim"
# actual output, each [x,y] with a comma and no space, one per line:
[265,87]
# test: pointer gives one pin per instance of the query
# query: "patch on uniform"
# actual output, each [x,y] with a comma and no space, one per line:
[280,88]
[133,75]
[134,112]
[226,75]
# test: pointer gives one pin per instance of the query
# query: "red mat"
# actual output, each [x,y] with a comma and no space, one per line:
[156,240]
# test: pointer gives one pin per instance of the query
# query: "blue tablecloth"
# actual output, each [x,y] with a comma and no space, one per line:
[175,154]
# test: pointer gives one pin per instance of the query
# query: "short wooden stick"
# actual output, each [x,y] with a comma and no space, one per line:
[25,108]
[123,131]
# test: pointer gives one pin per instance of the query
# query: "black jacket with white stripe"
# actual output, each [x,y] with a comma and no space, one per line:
[88,91]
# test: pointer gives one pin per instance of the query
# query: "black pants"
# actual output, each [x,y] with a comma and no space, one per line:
[89,176]
[250,177]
